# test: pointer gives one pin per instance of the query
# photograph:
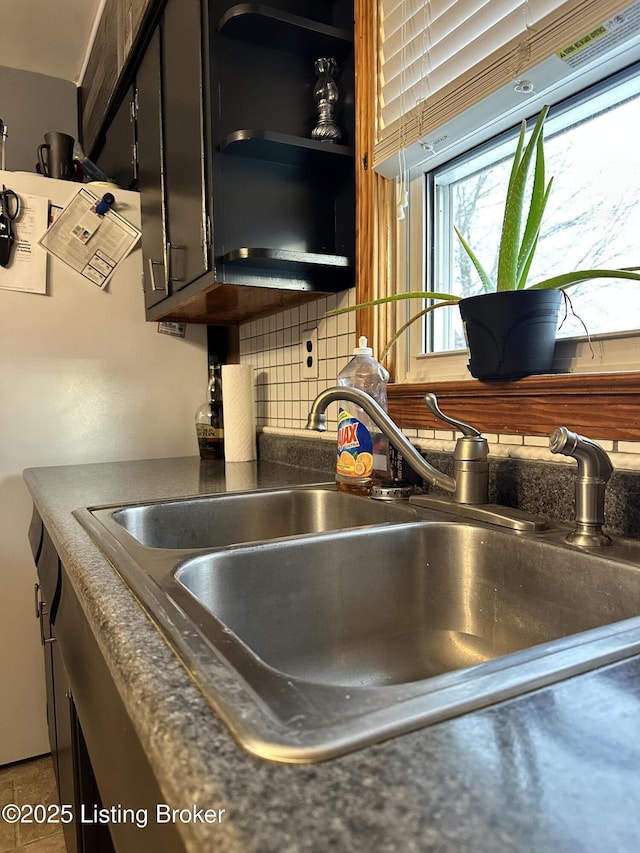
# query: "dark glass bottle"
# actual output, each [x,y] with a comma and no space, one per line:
[209,418]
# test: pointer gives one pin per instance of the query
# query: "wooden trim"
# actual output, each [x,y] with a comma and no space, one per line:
[366,237]
[600,405]
[375,232]
[386,226]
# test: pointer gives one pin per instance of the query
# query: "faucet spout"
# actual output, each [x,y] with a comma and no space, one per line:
[469,485]
[594,471]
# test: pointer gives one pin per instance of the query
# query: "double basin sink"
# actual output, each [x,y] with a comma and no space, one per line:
[317,622]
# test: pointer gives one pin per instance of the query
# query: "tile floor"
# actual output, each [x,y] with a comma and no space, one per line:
[30,783]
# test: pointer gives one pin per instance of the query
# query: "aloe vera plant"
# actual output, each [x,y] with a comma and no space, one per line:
[518,239]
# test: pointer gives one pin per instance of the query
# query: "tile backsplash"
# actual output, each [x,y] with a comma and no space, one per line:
[275,347]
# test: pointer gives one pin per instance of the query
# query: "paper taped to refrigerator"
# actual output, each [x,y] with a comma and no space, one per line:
[27,269]
[92,244]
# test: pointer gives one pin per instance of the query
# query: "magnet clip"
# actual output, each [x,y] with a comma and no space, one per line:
[104,205]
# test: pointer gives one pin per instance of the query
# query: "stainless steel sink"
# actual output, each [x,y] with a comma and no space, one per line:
[380,607]
[325,636]
[215,521]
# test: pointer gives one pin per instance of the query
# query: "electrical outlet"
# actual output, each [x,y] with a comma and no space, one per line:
[309,354]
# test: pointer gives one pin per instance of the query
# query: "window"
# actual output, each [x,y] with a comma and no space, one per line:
[531,53]
[592,219]
[479,105]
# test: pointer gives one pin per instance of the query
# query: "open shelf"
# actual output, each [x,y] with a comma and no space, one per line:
[266,26]
[321,271]
[282,147]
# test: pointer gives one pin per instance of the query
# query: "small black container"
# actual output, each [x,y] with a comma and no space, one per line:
[512,333]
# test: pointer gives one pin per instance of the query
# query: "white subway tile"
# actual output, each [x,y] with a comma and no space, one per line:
[345,346]
[629,447]
[343,324]
[491,437]
[510,439]
[625,461]
[332,302]
[342,299]
[322,348]
[606,444]
[536,441]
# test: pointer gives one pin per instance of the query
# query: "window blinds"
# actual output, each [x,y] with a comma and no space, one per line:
[439,57]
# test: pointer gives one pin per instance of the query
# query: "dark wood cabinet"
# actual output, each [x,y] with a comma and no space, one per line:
[115,51]
[299,224]
[148,115]
[100,765]
[171,153]
[76,784]
[118,158]
[184,143]
[243,213]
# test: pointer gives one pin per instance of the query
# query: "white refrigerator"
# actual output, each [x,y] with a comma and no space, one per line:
[83,378]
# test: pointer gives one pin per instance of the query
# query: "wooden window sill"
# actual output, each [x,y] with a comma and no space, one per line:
[599,405]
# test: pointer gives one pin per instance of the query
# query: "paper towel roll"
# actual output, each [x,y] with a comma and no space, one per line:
[238,413]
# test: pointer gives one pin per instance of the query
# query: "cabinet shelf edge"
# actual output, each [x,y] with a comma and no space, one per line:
[278,147]
[264,25]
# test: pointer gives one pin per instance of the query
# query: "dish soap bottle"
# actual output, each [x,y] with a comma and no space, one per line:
[363,451]
[209,423]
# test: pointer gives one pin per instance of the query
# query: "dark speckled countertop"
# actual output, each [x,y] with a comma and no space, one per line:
[555,770]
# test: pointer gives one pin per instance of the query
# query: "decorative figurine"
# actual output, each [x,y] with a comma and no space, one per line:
[326,96]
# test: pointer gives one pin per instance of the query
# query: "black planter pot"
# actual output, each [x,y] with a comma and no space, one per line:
[511,334]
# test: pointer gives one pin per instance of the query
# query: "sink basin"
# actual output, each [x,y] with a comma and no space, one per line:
[215,521]
[381,607]
[316,623]
[363,634]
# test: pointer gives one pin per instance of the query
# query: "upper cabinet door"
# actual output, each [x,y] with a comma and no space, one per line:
[117,158]
[150,173]
[184,142]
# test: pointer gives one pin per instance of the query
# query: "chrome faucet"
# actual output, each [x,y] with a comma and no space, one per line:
[594,471]
[470,481]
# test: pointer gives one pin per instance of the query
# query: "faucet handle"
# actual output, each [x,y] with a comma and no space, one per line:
[431,402]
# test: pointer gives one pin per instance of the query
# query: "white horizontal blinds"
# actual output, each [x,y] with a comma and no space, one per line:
[425,53]
[438,58]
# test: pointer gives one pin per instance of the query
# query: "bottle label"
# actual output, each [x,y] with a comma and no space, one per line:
[210,441]
[355,447]
[206,432]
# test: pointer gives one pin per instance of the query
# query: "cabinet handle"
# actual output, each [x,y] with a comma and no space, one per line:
[155,284]
[176,267]
[40,612]
[134,161]
[206,236]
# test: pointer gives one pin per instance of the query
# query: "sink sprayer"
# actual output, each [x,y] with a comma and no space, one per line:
[594,471]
